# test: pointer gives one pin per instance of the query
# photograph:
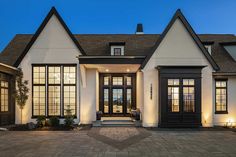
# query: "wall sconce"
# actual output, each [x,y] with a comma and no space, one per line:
[230,123]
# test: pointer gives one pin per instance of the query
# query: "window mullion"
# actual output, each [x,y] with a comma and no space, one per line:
[46,90]
[62,90]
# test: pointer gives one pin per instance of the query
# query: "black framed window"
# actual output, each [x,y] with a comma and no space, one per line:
[117,80]
[221,96]
[39,90]
[54,89]
[173,95]
[69,73]
[117,51]
[4,92]
[189,95]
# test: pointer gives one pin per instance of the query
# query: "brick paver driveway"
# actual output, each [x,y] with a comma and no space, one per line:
[111,142]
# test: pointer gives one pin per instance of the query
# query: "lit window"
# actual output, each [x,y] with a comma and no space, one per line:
[106,80]
[188,95]
[128,81]
[4,96]
[39,90]
[106,100]
[221,96]
[117,80]
[57,89]
[173,95]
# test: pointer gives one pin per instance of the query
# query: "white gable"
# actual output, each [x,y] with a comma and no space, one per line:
[178,48]
[53,45]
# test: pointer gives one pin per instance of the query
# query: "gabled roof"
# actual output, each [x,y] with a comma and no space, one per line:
[52,12]
[178,15]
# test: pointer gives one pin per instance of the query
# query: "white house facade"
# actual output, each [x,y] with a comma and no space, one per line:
[176,79]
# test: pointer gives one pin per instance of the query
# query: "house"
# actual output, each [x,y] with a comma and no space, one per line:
[177,78]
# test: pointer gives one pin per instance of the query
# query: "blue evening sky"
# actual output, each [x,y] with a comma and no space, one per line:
[115,16]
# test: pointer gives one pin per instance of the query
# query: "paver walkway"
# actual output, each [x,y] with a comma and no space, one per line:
[83,144]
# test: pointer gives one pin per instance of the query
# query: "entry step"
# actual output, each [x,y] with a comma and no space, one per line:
[118,122]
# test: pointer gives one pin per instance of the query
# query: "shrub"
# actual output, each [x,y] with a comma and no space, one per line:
[41,121]
[54,121]
[69,118]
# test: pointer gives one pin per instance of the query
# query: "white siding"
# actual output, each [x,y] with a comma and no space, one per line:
[53,45]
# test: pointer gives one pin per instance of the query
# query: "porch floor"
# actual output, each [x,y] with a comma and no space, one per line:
[116,118]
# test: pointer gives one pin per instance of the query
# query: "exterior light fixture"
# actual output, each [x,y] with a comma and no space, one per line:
[107,70]
[127,70]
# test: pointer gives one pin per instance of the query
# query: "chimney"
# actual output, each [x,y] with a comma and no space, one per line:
[139,29]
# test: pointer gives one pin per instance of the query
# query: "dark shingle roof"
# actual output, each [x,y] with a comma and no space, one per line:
[140,45]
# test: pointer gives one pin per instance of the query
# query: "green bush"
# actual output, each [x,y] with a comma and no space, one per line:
[54,121]
[41,121]
[69,118]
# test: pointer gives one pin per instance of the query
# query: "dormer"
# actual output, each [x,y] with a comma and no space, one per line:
[208,46]
[117,48]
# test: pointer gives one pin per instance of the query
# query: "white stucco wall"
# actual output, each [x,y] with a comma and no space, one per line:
[177,48]
[139,91]
[222,119]
[53,45]
[89,97]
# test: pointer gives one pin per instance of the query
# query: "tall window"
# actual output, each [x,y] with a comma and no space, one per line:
[69,89]
[39,89]
[54,90]
[188,95]
[4,103]
[173,95]
[221,96]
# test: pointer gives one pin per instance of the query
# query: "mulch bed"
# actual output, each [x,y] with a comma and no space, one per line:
[24,127]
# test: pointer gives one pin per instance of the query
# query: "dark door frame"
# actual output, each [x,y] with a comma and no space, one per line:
[110,87]
[181,118]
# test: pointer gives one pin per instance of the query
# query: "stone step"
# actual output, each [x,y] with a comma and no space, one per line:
[114,123]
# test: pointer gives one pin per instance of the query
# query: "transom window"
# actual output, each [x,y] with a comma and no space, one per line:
[221,96]
[117,80]
[4,103]
[54,89]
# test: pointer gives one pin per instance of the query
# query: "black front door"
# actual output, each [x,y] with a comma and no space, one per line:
[117,94]
[180,97]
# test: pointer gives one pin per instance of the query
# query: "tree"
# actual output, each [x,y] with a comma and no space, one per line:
[21,92]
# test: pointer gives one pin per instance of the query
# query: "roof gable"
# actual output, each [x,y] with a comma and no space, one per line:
[180,16]
[52,12]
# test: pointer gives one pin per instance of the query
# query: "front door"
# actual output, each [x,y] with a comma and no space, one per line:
[117,94]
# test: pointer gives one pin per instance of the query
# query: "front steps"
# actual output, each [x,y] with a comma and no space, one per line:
[116,122]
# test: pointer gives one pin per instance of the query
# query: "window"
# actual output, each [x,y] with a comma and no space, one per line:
[39,90]
[128,81]
[221,96]
[4,96]
[117,51]
[173,95]
[69,89]
[129,99]
[188,95]
[106,80]
[117,80]
[106,100]
[57,84]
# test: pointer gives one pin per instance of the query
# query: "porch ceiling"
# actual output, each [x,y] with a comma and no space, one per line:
[114,68]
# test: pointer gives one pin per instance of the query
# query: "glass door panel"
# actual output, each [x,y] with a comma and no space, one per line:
[106,100]
[117,102]
[128,100]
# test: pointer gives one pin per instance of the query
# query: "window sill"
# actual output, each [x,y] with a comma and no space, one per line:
[221,112]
